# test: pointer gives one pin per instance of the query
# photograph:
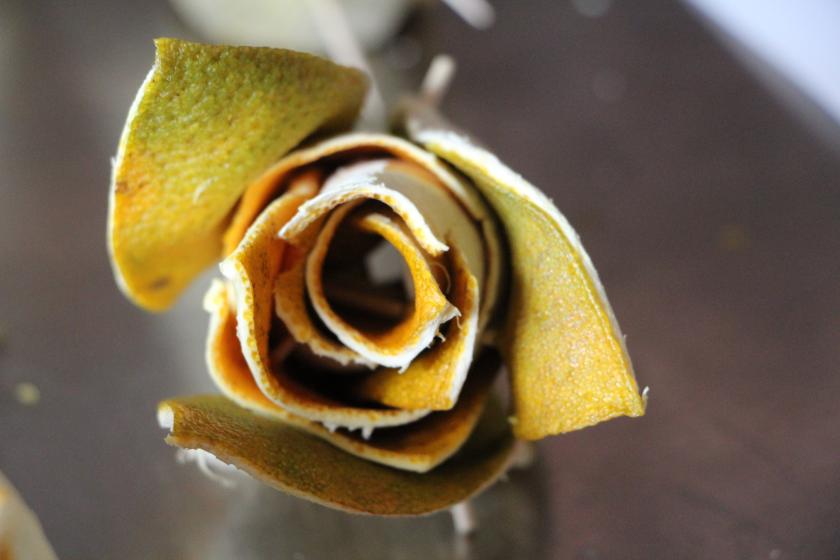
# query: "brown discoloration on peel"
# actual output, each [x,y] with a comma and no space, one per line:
[291,460]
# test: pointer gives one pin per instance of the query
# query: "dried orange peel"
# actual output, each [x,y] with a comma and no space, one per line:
[207,121]
[355,391]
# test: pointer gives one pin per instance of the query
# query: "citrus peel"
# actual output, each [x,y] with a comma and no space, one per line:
[568,363]
[314,348]
[433,381]
[207,121]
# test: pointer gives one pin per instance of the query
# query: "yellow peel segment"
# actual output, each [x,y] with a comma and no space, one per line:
[397,346]
[207,121]
[301,464]
[568,364]
[434,379]
[419,446]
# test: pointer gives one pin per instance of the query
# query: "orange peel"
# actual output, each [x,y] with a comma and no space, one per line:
[338,386]
[433,381]
[251,270]
[207,121]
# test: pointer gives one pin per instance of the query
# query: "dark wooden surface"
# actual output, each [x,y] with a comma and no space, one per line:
[711,212]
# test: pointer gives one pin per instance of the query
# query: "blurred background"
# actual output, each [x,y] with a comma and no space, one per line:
[696,148]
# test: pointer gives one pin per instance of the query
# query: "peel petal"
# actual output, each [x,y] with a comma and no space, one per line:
[207,121]
[562,344]
[419,446]
[301,464]
[251,270]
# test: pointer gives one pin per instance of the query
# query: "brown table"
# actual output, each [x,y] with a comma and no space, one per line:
[711,211]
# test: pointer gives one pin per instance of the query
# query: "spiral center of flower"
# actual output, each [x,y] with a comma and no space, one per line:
[420,312]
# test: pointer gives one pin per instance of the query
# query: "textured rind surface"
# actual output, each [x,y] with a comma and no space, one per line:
[301,464]
[562,345]
[208,121]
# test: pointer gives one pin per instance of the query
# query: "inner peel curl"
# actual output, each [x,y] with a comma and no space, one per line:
[309,360]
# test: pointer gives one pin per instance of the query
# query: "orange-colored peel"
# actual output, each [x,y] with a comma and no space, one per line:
[207,121]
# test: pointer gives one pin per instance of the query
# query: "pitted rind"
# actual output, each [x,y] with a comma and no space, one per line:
[550,406]
[205,123]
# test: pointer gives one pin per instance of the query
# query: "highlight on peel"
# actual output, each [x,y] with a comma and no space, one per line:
[207,121]
[561,342]
[21,534]
[289,459]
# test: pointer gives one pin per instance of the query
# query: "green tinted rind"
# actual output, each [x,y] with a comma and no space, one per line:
[293,461]
[565,353]
[208,121]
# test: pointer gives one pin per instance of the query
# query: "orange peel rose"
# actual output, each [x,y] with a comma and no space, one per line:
[364,394]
